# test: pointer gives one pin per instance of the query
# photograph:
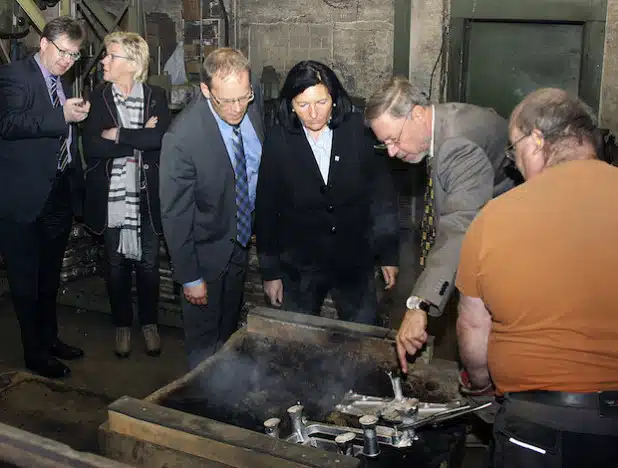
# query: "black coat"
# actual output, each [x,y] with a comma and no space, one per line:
[30,131]
[99,152]
[349,222]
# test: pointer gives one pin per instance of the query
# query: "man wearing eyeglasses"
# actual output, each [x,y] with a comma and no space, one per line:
[209,165]
[462,147]
[40,182]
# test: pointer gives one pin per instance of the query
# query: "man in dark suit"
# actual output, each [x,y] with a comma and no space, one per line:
[209,164]
[463,148]
[40,174]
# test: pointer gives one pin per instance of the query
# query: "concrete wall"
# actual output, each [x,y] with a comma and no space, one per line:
[428,19]
[354,37]
[609,84]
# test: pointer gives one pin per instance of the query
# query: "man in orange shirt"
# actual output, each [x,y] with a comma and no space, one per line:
[538,308]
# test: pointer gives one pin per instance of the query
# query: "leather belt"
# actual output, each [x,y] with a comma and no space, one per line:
[564,399]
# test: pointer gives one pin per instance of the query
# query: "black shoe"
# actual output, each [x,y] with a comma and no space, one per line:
[64,351]
[48,367]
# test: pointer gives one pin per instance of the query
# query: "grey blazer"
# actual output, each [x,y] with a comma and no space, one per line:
[197,191]
[468,170]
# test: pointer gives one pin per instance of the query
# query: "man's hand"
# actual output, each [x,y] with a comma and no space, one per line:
[110,134]
[197,294]
[75,110]
[411,335]
[152,122]
[274,291]
[390,275]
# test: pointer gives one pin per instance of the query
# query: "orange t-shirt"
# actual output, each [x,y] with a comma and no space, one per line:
[544,259]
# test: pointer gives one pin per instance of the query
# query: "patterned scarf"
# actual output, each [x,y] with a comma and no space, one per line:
[124,185]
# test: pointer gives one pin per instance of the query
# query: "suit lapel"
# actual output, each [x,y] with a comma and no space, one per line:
[212,133]
[40,79]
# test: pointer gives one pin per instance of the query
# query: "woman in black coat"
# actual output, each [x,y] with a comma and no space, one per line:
[326,208]
[122,141]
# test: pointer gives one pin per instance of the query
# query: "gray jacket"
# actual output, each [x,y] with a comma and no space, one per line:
[198,194]
[468,170]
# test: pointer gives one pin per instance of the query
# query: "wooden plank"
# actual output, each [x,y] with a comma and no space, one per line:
[137,452]
[213,440]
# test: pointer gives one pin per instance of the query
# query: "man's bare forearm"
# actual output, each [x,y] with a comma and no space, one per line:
[473,328]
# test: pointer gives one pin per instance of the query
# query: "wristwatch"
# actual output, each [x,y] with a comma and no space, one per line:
[415,302]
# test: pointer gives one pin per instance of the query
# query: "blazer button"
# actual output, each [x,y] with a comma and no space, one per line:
[146,166]
[330,208]
[333,230]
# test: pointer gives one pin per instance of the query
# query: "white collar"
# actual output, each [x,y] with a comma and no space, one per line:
[433,131]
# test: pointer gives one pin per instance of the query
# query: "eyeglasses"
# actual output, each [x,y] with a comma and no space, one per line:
[243,101]
[115,56]
[75,56]
[395,141]
[509,152]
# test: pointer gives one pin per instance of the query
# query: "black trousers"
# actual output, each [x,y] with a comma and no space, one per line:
[33,253]
[208,327]
[532,435]
[118,276]
[353,291]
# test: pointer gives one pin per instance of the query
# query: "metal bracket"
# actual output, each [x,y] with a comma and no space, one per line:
[33,12]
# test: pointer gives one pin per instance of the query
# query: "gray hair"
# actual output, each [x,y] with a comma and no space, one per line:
[397,97]
[63,25]
[224,62]
[560,117]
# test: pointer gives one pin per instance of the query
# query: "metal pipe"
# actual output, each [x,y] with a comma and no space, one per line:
[345,443]
[271,426]
[371,449]
[296,415]
[396,384]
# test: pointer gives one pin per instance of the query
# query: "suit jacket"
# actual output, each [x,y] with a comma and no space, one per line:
[348,222]
[99,153]
[30,131]
[468,170]
[198,193]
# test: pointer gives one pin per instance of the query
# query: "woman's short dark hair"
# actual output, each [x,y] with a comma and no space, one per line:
[304,75]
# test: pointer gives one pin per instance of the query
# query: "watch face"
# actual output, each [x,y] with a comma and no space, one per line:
[413,302]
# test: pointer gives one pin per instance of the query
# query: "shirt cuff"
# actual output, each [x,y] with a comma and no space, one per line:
[190,284]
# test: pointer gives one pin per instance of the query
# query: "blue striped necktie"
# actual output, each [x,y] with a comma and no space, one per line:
[243,203]
[63,158]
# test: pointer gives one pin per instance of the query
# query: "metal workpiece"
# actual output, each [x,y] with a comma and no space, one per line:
[271,426]
[371,448]
[345,443]
[298,423]
[396,384]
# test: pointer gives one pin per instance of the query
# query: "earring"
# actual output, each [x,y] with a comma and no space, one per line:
[293,111]
[334,104]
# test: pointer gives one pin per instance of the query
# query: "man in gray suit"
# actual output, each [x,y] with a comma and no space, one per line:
[463,147]
[209,165]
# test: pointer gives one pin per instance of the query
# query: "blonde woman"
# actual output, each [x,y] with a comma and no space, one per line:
[122,142]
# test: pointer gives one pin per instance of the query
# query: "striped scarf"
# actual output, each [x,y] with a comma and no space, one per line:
[124,186]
